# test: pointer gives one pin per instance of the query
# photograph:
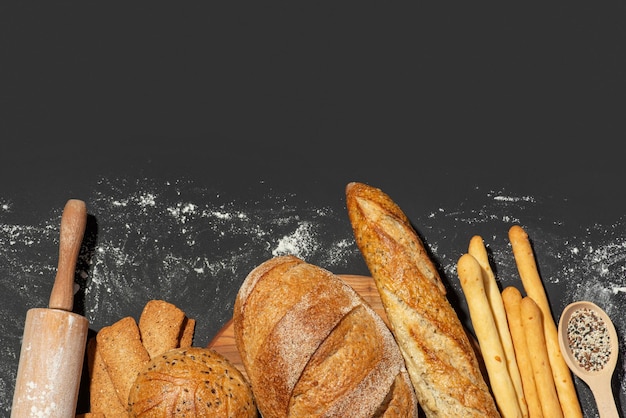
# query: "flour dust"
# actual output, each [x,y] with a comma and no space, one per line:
[193,246]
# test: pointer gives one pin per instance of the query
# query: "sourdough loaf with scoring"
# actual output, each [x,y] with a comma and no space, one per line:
[439,356]
[312,347]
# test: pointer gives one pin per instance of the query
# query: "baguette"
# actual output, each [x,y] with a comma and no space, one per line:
[312,347]
[440,358]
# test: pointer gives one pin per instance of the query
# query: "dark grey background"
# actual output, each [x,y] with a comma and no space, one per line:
[472,116]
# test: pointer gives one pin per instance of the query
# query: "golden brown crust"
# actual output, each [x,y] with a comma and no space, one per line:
[102,395]
[160,326]
[440,358]
[187,332]
[122,352]
[191,382]
[299,330]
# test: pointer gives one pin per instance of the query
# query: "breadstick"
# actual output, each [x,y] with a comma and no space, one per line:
[478,250]
[471,278]
[527,268]
[532,319]
[511,298]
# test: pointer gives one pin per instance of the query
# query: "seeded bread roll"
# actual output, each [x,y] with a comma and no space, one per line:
[191,382]
[439,356]
[312,347]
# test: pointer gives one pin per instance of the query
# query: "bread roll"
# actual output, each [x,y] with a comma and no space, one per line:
[441,361]
[191,382]
[312,347]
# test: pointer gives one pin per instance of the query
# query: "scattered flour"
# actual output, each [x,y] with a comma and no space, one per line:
[587,263]
[193,246]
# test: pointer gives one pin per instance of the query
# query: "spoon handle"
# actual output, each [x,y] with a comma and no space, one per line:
[604,399]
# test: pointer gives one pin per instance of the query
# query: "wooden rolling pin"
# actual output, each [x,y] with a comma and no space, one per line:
[53,344]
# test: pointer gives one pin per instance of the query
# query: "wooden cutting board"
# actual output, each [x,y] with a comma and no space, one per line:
[224,340]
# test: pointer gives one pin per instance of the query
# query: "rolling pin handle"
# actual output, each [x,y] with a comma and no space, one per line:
[73,224]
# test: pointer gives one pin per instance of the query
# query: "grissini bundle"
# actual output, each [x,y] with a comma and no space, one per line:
[486,329]
[312,347]
[440,358]
[532,319]
[512,298]
[477,249]
[531,280]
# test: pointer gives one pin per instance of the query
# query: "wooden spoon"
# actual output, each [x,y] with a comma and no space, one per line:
[590,348]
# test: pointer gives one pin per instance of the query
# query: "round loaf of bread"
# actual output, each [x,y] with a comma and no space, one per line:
[312,347]
[191,382]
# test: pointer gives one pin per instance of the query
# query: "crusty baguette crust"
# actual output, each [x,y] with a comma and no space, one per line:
[439,356]
[311,346]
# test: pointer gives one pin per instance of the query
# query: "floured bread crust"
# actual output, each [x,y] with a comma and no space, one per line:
[312,347]
[439,356]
